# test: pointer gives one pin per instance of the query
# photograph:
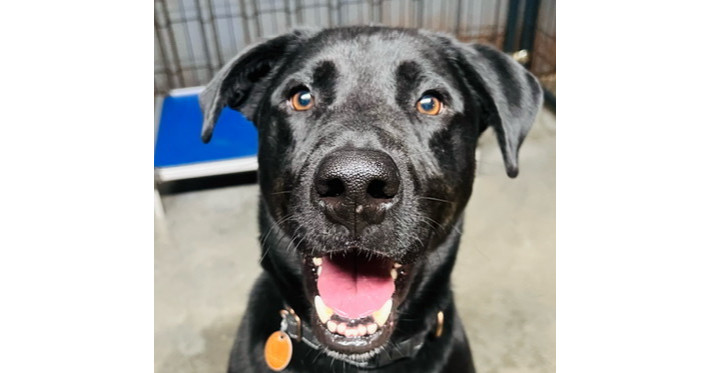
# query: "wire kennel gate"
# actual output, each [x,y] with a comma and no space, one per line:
[194,38]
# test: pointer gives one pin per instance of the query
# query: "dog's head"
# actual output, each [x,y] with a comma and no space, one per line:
[367,139]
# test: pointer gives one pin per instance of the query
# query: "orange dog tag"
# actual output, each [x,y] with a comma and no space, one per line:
[278,351]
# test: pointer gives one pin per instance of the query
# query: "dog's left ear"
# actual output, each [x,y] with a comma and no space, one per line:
[510,94]
[241,82]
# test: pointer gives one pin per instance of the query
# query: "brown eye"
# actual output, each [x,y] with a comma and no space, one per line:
[302,100]
[429,105]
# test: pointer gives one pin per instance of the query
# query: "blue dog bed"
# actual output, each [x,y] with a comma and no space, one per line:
[179,152]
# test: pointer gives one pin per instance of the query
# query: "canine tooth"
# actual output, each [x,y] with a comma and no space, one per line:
[394,273]
[323,312]
[317,261]
[371,328]
[381,315]
[397,265]
[331,326]
[341,328]
[319,270]
[361,330]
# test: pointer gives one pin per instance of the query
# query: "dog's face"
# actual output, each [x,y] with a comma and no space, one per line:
[367,141]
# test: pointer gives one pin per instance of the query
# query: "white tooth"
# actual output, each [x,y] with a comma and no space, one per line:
[361,330]
[394,273]
[341,328]
[323,312]
[317,261]
[331,326]
[397,265]
[371,328]
[319,270]
[380,316]
[351,332]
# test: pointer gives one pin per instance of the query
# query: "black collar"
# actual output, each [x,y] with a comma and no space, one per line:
[405,349]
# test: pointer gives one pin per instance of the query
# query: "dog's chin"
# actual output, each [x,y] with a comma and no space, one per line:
[355,295]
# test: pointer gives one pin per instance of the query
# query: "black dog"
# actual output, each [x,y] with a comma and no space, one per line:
[367,139]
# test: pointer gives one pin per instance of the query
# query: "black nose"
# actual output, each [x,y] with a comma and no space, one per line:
[356,187]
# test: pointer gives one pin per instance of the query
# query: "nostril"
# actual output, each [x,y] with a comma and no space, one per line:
[330,188]
[378,189]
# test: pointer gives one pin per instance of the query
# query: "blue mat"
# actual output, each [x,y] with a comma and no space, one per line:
[178,141]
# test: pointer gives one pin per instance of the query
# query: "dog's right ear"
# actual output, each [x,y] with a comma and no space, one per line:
[241,81]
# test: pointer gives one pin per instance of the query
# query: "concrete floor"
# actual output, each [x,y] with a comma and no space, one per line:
[206,255]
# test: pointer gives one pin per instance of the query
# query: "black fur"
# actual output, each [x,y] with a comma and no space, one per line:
[366,82]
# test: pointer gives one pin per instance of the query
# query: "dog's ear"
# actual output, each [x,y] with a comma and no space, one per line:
[241,82]
[511,96]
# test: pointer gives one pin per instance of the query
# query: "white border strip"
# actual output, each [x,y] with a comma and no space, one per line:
[191,171]
[185,91]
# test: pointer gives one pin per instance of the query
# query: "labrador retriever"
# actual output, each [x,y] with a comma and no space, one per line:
[367,140]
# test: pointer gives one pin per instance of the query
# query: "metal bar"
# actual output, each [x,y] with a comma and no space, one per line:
[457,26]
[256,18]
[509,43]
[174,47]
[330,15]
[196,67]
[216,43]
[380,11]
[162,52]
[442,15]
[231,30]
[189,43]
[467,13]
[420,14]
[299,10]
[494,35]
[402,13]
[289,21]
[276,25]
[480,20]
[246,29]
[204,37]
[360,12]
[339,12]
[317,15]
[530,20]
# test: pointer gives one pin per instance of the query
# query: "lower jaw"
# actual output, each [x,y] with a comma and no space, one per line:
[354,336]
[359,337]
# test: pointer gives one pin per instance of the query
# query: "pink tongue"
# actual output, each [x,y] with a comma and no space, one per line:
[353,286]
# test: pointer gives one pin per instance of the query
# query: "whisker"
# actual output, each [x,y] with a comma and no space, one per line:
[437,200]
[273,226]
[437,223]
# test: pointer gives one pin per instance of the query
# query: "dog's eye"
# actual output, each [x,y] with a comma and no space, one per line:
[302,100]
[429,105]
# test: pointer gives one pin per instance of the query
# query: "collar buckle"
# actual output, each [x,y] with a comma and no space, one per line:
[291,323]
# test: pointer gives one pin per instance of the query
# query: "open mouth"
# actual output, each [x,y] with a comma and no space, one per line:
[355,296]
